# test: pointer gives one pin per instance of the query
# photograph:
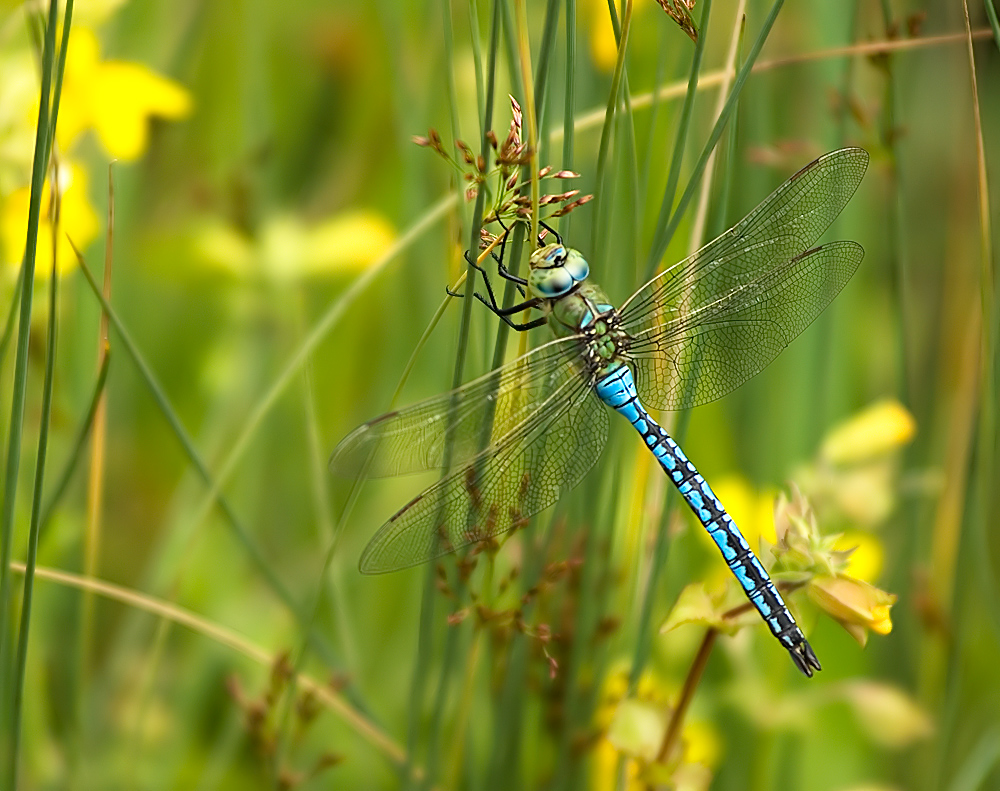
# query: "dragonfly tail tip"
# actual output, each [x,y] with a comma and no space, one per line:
[805,658]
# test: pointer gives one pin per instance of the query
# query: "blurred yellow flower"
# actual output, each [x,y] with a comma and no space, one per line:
[77,220]
[114,98]
[878,429]
[634,729]
[857,605]
[289,249]
[601,37]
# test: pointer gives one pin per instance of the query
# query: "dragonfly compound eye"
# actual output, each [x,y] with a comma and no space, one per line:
[576,265]
[551,283]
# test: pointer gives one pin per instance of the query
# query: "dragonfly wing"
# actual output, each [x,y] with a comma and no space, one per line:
[772,239]
[497,490]
[717,346]
[467,419]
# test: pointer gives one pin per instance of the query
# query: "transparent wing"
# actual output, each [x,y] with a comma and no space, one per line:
[528,469]
[729,296]
[474,416]
[716,347]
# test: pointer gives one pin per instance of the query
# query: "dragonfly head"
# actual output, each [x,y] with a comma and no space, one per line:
[556,270]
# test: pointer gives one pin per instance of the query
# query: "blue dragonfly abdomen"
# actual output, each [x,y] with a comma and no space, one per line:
[617,390]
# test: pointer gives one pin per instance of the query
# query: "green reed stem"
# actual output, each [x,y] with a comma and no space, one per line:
[504,772]
[8,327]
[477,58]
[600,187]
[36,512]
[595,574]
[889,134]
[544,58]
[426,631]
[38,171]
[449,59]
[991,14]
[62,482]
[670,191]
[664,237]
[569,96]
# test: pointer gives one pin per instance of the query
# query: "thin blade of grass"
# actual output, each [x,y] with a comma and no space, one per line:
[16,427]
[991,14]
[24,630]
[660,247]
[987,449]
[600,187]
[8,327]
[168,611]
[255,553]
[425,635]
[712,79]
[670,191]
[59,490]
[701,213]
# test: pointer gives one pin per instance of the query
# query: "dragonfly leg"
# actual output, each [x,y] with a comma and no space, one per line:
[529,325]
[503,271]
[534,302]
[492,304]
[551,230]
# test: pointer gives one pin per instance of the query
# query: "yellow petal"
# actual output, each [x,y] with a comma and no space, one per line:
[603,48]
[881,622]
[854,602]
[76,101]
[701,743]
[78,220]
[865,562]
[125,96]
[876,430]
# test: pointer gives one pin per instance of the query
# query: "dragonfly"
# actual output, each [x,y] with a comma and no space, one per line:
[513,441]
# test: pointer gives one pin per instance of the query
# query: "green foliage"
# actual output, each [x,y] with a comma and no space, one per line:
[280,249]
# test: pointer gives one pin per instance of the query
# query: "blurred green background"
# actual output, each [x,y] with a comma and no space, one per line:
[280,244]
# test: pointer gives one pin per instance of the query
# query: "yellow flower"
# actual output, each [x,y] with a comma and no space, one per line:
[288,249]
[855,604]
[633,731]
[866,555]
[114,98]
[603,47]
[77,219]
[875,431]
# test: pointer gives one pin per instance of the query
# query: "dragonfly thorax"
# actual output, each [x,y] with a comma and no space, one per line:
[556,271]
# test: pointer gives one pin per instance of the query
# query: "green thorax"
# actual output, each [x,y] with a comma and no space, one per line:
[570,313]
[574,305]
